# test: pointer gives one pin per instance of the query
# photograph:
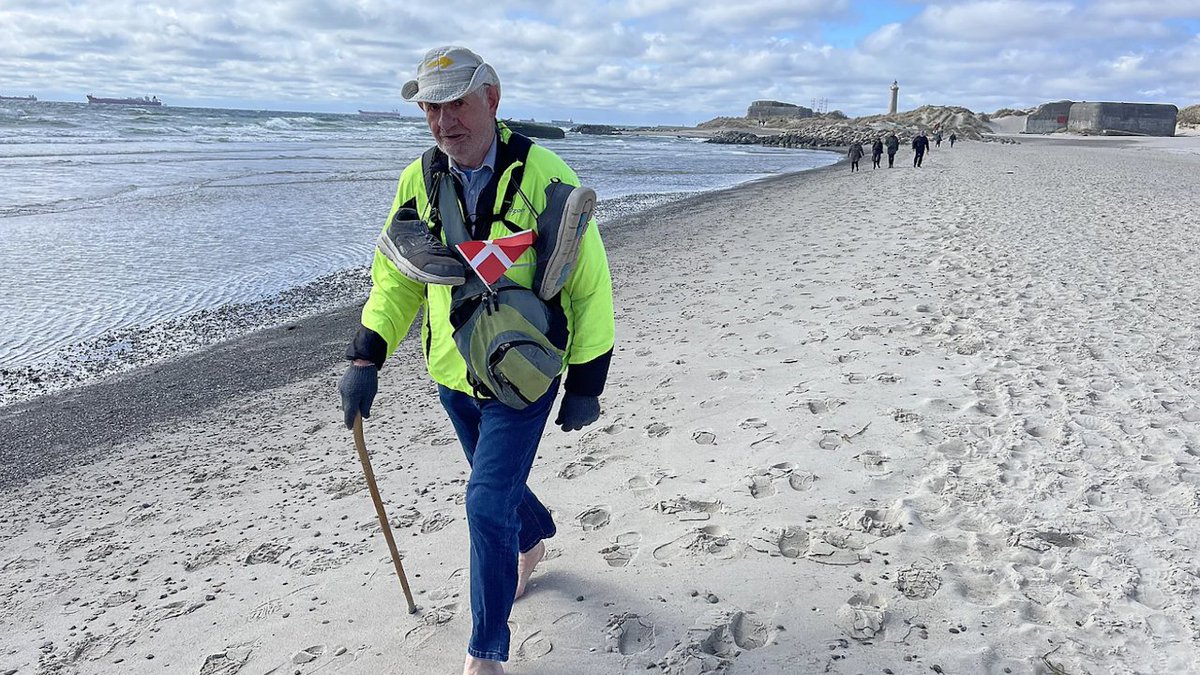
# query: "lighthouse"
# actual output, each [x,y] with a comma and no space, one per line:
[895,97]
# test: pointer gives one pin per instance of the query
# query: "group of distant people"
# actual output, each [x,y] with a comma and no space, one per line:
[891,143]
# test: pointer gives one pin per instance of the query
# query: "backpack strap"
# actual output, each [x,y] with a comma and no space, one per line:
[519,147]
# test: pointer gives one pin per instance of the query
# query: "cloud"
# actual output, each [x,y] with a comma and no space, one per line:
[669,61]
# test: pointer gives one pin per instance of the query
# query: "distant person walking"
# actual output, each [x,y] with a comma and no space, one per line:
[953,137]
[876,152]
[855,154]
[893,144]
[937,138]
[920,143]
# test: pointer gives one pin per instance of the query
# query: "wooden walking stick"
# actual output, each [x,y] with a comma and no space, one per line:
[383,521]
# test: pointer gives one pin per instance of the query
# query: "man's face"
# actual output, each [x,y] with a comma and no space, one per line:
[464,128]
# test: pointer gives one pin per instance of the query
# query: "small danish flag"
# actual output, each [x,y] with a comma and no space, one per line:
[491,258]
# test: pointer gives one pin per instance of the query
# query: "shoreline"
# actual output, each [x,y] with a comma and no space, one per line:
[39,436]
[121,350]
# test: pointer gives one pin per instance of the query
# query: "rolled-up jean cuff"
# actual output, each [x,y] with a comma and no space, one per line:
[491,656]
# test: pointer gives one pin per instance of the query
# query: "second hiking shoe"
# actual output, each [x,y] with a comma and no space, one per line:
[412,248]
[560,229]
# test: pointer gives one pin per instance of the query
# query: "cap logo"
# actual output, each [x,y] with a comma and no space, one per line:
[442,62]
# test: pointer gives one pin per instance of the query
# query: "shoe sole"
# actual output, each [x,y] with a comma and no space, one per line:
[576,214]
[410,270]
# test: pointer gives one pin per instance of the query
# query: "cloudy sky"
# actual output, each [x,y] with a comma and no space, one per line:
[622,61]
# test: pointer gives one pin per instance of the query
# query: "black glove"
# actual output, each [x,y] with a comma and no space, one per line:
[577,411]
[358,387]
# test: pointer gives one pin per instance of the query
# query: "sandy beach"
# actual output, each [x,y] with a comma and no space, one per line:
[894,421]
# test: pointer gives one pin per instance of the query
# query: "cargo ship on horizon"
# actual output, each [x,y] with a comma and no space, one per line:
[145,100]
[385,113]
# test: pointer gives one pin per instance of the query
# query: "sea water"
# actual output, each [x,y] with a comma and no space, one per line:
[132,234]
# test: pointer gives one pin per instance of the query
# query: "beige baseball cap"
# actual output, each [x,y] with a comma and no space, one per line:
[448,73]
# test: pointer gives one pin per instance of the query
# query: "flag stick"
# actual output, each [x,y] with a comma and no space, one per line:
[361,444]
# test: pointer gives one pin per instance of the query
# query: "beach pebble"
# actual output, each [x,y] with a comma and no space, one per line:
[712,598]
[339,651]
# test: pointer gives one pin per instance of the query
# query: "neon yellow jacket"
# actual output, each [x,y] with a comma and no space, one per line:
[586,299]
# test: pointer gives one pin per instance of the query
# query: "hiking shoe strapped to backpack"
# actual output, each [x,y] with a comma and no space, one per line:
[560,230]
[413,249]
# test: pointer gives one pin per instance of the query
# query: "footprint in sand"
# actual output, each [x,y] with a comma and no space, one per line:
[533,647]
[688,509]
[762,482]
[624,548]
[613,429]
[662,399]
[117,598]
[714,641]
[227,662]
[875,522]
[593,518]
[569,621]
[863,616]
[657,430]
[580,465]
[432,619]
[711,540]
[644,486]
[704,437]
[836,548]
[824,405]
[435,523]
[801,480]
[918,582]
[405,517]
[266,553]
[308,654]
[761,486]
[263,610]
[628,634]
[451,587]
[789,542]
[875,463]
[830,440]
[718,375]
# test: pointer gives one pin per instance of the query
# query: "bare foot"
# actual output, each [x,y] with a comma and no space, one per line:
[475,666]
[526,563]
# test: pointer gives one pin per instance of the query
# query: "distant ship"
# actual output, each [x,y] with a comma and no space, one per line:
[31,99]
[381,113]
[145,100]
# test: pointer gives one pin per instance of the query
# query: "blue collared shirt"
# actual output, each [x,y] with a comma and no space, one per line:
[474,180]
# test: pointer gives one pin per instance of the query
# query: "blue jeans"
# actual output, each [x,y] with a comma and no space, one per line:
[503,515]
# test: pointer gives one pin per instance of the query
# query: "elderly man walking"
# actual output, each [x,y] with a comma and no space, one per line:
[486,182]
